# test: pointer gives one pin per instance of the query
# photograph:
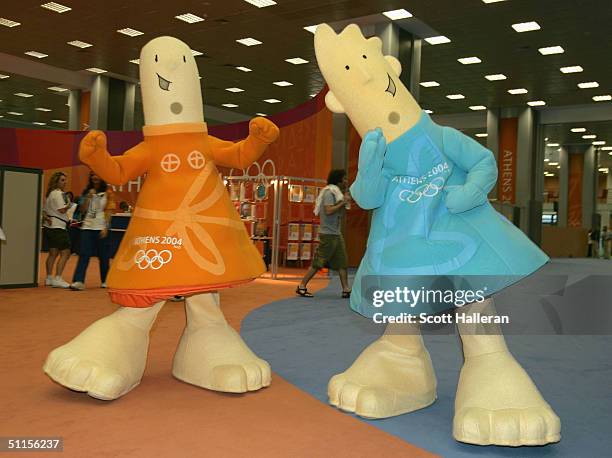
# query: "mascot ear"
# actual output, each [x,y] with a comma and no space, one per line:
[333,103]
[395,65]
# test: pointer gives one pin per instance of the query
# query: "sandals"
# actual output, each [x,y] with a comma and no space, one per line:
[303,292]
[346,294]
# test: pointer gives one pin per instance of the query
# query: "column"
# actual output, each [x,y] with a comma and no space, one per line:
[563,187]
[589,188]
[98,118]
[340,126]
[493,140]
[74,110]
[129,106]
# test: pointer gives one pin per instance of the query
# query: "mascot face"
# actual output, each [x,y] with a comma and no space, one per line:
[170,83]
[363,83]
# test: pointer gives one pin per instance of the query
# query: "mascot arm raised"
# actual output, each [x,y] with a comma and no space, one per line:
[115,170]
[241,154]
[480,166]
[370,187]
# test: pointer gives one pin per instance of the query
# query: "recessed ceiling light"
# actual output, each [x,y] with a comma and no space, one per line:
[261,114]
[229,105]
[189,18]
[3,77]
[15,113]
[261,3]
[130,32]
[578,129]
[57,89]
[552,145]
[283,83]
[602,98]
[599,143]
[394,15]
[482,135]
[572,69]
[42,109]
[603,169]
[8,23]
[589,137]
[469,60]
[296,61]
[551,50]
[478,107]
[492,1]
[244,69]
[455,96]
[59,121]
[589,85]
[39,123]
[536,103]
[311,28]
[429,111]
[23,94]
[607,148]
[36,54]
[553,163]
[441,39]
[96,70]
[249,41]
[80,44]
[234,89]
[526,26]
[135,61]
[546,159]
[496,77]
[272,100]
[57,7]
[429,83]
[520,90]
[195,53]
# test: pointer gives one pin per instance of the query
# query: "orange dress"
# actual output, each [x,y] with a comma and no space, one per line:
[185,236]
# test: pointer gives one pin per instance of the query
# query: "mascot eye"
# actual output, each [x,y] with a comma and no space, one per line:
[364,56]
[184,60]
[347,67]
[155,57]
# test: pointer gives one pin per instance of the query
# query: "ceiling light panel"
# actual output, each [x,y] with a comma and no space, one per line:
[3,77]
[311,28]
[482,135]
[602,98]
[249,41]
[478,107]
[57,89]
[189,18]
[572,69]
[39,123]
[230,105]
[42,109]
[589,137]
[234,89]
[130,32]
[38,55]
[578,129]
[23,94]
[59,121]
[536,103]
[272,101]
[551,50]
[261,3]
[283,83]
[517,91]
[429,83]
[588,85]
[496,77]
[80,44]
[455,96]
[493,1]
[469,60]
[296,61]
[8,23]
[599,143]
[57,7]
[441,39]
[244,69]
[135,61]
[195,53]
[429,111]
[96,70]
[394,15]
[261,114]
[526,26]
[15,113]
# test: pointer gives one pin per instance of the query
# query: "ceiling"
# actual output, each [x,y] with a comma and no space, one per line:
[475,29]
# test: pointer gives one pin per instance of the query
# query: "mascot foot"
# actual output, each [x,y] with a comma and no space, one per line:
[108,358]
[212,355]
[385,380]
[498,404]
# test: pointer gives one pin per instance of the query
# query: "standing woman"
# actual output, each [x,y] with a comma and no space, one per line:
[97,204]
[56,229]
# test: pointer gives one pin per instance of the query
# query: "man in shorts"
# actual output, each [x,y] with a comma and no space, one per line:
[331,206]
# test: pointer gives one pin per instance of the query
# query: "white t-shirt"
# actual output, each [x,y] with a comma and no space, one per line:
[55,201]
[95,219]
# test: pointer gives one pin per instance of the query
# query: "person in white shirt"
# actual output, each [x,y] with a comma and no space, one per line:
[55,229]
[96,206]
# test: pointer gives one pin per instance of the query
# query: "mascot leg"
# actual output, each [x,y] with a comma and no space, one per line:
[496,402]
[212,355]
[392,376]
[108,358]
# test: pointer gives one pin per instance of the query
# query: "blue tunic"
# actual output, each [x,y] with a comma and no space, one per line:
[428,189]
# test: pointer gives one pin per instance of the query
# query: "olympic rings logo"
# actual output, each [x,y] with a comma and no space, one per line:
[153,259]
[430,189]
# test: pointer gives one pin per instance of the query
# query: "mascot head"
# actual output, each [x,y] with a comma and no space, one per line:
[363,83]
[170,83]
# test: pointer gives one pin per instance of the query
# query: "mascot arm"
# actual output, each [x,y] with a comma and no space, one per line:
[480,166]
[116,170]
[370,187]
[241,154]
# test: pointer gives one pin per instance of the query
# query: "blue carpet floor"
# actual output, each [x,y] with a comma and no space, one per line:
[308,341]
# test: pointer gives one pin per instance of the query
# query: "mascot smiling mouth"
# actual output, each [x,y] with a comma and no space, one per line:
[390,87]
[164,83]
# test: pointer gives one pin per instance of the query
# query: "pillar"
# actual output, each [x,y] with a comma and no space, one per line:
[563,187]
[493,140]
[129,106]
[98,118]
[74,110]
[589,189]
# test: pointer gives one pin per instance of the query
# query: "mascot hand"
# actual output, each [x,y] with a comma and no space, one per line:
[92,145]
[264,129]
[463,198]
[372,153]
